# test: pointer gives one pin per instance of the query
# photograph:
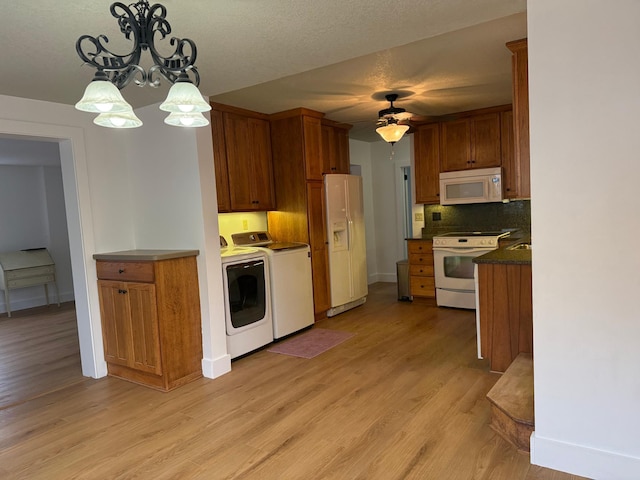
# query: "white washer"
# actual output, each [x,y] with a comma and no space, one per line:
[291,281]
[247,299]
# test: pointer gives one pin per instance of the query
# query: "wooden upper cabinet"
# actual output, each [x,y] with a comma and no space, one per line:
[220,161]
[509,171]
[335,147]
[471,142]
[246,158]
[426,144]
[520,72]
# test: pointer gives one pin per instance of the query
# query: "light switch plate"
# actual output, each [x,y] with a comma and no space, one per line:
[419,217]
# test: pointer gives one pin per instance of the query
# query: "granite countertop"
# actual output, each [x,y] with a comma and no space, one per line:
[505,256]
[145,255]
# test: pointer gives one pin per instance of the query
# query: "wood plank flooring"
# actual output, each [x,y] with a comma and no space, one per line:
[402,399]
[39,352]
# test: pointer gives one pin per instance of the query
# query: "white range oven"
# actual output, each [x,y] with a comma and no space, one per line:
[453,255]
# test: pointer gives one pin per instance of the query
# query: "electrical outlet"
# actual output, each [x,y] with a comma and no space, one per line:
[245,224]
[436,216]
[419,217]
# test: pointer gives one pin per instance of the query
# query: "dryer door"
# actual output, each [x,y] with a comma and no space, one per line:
[246,295]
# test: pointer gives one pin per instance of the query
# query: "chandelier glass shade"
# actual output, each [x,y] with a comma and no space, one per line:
[392,131]
[143,24]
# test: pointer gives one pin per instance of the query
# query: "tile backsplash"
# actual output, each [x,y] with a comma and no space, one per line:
[479,216]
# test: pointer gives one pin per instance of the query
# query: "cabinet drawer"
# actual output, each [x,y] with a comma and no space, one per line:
[30,281]
[125,271]
[418,246]
[421,259]
[421,270]
[422,286]
[30,272]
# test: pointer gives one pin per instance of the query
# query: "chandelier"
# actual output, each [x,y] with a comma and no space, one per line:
[143,24]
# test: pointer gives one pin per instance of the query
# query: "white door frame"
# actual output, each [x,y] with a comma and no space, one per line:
[75,181]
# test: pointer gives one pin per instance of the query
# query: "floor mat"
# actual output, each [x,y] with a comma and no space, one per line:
[312,343]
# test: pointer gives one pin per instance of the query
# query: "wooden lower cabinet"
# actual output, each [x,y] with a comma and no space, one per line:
[151,326]
[421,276]
[506,312]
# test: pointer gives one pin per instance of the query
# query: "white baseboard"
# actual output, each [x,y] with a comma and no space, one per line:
[214,368]
[583,461]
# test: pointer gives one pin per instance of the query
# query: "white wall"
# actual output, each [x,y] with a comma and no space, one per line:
[360,154]
[172,180]
[585,97]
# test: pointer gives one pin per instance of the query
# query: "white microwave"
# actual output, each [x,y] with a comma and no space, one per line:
[482,185]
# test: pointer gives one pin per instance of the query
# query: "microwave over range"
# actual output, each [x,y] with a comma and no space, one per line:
[482,185]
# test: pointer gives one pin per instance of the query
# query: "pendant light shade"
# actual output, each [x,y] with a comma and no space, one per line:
[392,132]
[102,96]
[126,119]
[195,119]
[184,97]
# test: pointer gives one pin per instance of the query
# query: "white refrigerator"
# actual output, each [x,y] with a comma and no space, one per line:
[347,246]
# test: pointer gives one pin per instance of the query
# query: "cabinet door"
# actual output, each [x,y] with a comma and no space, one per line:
[335,149]
[318,243]
[145,354]
[220,161]
[456,145]
[116,324]
[485,141]
[509,171]
[312,144]
[427,163]
[263,196]
[248,147]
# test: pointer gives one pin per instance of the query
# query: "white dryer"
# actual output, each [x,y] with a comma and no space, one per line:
[247,299]
[291,281]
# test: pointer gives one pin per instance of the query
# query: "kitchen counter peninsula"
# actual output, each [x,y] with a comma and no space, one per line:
[505,310]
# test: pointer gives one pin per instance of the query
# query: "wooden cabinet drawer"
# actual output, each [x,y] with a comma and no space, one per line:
[125,271]
[421,259]
[30,272]
[30,281]
[421,270]
[420,246]
[422,286]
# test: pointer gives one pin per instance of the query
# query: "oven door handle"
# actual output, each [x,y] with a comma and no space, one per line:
[463,249]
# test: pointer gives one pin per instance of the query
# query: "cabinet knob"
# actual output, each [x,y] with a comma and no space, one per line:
[120,270]
[122,291]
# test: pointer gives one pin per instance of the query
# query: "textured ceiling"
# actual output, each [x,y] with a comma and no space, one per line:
[334,56]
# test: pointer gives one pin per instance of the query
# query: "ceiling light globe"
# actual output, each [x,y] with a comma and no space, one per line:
[393,132]
[126,119]
[102,96]
[184,97]
[194,119]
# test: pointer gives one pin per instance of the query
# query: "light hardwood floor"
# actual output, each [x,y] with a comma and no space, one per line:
[402,399]
[39,352]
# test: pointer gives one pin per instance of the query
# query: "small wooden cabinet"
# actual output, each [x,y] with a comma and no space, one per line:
[335,147]
[421,276]
[427,163]
[471,142]
[242,158]
[150,311]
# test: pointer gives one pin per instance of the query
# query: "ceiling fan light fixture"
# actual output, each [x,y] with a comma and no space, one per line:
[126,119]
[392,132]
[193,119]
[102,96]
[184,97]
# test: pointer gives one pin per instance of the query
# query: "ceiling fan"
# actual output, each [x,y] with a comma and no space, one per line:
[388,125]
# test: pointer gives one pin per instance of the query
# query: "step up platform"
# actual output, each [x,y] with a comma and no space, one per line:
[511,401]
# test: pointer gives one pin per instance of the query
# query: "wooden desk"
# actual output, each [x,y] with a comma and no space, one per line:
[27,268]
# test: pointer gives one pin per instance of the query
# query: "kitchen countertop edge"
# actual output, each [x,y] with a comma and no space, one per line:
[145,255]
